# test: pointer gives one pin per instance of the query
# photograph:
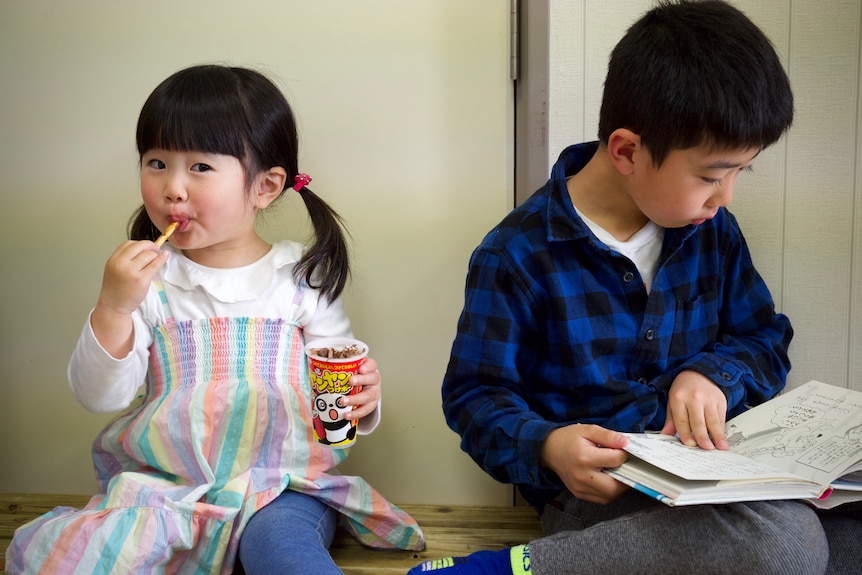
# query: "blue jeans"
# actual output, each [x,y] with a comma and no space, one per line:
[291,535]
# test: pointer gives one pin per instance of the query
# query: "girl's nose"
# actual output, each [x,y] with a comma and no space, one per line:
[175,191]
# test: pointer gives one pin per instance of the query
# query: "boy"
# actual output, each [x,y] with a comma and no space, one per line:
[622,297]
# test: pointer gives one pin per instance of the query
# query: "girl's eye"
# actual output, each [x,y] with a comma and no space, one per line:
[201,168]
[157,164]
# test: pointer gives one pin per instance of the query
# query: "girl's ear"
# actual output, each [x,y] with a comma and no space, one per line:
[623,148]
[269,185]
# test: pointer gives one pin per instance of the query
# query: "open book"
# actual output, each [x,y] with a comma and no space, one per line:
[803,444]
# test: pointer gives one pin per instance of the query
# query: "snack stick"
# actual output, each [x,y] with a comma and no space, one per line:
[168,231]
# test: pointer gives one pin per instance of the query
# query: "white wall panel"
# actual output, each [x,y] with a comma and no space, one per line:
[855,342]
[821,187]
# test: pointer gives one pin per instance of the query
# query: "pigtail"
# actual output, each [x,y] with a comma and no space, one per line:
[140,227]
[325,264]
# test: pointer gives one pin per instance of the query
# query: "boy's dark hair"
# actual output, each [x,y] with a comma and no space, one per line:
[692,73]
[241,113]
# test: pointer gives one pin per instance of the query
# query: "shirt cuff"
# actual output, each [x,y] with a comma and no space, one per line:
[370,422]
[724,373]
[528,467]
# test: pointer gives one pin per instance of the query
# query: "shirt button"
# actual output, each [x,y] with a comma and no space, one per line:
[643,381]
[650,334]
[726,376]
[628,276]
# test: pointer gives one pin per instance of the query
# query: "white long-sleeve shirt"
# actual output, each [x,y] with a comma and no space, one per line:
[265,288]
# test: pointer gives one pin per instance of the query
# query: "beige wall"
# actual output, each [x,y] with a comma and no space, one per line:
[405,114]
[801,209]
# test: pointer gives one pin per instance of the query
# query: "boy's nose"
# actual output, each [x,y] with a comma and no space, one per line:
[723,195]
[722,198]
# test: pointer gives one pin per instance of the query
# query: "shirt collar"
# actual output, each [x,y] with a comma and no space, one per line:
[564,223]
[230,285]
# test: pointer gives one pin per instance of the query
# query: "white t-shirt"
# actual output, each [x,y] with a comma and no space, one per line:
[265,288]
[643,248]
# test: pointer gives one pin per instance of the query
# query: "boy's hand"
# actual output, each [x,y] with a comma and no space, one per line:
[366,400]
[696,410]
[127,277]
[578,453]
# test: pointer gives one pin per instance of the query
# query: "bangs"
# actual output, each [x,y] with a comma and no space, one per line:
[198,110]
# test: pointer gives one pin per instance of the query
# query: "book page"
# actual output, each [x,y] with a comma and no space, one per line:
[693,463]
[849,482]
[814,431]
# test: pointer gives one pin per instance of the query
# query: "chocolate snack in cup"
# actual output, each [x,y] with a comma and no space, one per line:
[332,362]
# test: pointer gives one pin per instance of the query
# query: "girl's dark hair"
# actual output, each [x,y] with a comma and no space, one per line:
[239,112]
[692,73]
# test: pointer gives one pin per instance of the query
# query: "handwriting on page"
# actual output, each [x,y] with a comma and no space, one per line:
[695,463]
[832,455]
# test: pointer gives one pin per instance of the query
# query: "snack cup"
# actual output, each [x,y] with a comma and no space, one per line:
[330,381]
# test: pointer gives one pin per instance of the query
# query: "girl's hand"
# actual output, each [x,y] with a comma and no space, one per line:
[128,274]
[578,453]
[127,277]
[366,400]
[696,410]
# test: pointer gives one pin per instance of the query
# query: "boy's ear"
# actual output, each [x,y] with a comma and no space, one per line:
[269,185]
[623,148]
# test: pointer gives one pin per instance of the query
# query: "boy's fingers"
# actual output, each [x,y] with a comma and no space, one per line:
[681,424]
[701,435]
[716,430]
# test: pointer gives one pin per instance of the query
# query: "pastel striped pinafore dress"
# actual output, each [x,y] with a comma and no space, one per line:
[223,428]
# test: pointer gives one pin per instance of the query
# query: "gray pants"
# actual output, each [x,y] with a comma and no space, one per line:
[843,527]
[638,535]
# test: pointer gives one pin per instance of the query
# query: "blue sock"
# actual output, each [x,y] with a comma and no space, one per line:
[514,561]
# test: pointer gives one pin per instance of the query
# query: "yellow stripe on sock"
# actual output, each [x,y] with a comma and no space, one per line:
[520,558]
[435,564]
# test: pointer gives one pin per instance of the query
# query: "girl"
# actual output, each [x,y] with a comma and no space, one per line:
[217,459]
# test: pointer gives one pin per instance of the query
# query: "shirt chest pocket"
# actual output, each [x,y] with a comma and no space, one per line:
[696,324]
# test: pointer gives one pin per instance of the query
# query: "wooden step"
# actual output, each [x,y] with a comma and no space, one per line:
[449,530]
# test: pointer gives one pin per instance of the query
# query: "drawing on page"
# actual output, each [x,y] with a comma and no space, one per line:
[795,431]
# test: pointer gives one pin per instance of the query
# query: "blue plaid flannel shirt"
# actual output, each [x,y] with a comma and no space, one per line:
[558,329]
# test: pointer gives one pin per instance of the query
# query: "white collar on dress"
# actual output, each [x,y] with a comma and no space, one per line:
[231,285]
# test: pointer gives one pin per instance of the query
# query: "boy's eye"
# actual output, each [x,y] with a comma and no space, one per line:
[201,168]
[157,164]
[717,181]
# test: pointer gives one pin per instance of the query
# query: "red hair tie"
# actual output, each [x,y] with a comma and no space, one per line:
[301,180]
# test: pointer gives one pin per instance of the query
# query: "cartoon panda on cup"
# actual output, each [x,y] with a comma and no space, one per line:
[332,363]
